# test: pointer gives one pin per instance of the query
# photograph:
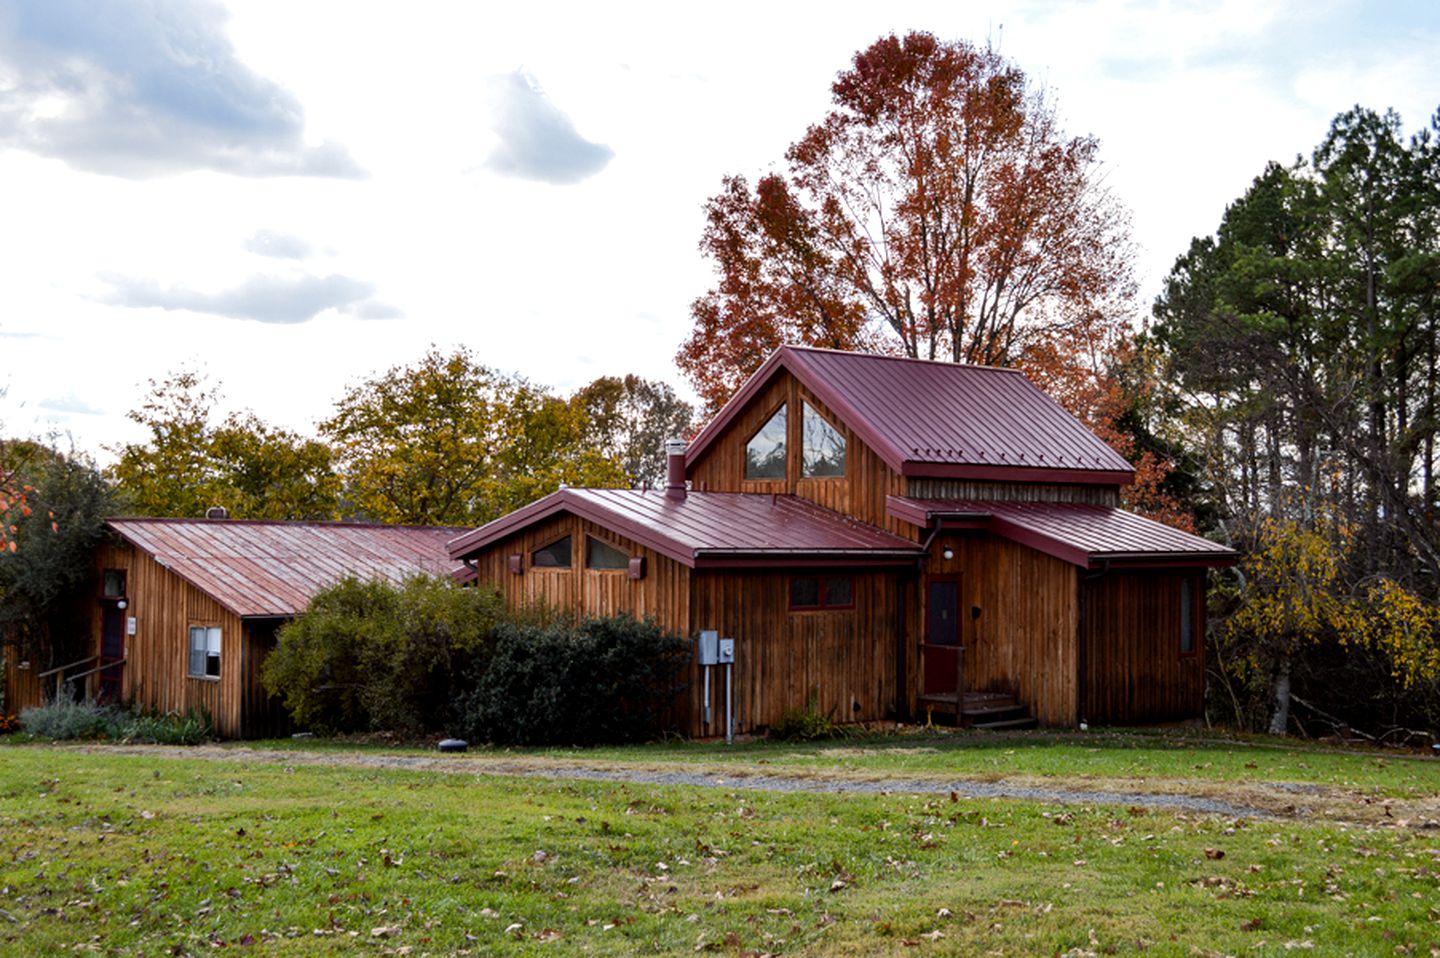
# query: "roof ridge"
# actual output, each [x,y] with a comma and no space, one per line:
[855,354]
[327,523]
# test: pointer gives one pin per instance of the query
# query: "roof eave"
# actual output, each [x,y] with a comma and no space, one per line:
[797,558]
[1163,560]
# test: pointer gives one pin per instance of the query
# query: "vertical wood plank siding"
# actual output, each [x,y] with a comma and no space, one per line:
[842,658]
[859,493]
[663,593]
[157,655]
[1134,670]
[22,686]
[979,490]
[1023,642]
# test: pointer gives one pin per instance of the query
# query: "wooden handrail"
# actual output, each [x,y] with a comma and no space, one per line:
[98,668]
[68,665]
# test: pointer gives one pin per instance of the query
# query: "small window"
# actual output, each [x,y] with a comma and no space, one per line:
[602,555]
[1187,617]
[822,592]
[824,448]
[114,583]
[554,556]
[765,452]
[204,652]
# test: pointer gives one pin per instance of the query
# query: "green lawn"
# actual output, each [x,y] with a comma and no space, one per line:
[151,854]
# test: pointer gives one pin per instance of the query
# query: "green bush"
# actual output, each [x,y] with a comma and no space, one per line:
[807,724]
[604,680]
[372,656]
[72,720]
[171,728]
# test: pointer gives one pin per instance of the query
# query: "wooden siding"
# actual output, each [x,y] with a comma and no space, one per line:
[164,607]
[843,660]
[1134,670]
[22,686]
[859,493]
[663,593]
[1023,641]
[974,489]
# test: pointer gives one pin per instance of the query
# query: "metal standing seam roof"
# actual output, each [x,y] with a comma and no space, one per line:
[707,528]
[264,569]
[940,419]
[1084,535]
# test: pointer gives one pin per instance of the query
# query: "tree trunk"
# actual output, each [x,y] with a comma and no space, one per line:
[1280,697]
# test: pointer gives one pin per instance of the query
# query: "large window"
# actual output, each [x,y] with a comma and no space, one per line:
[822,592]
[602,555]
[204,652]
[765,452]
[554,556]
[824,447]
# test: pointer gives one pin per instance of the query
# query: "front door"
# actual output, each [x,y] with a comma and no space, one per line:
[112,649]
[942,654]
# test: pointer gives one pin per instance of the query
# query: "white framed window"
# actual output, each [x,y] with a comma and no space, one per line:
[204,652]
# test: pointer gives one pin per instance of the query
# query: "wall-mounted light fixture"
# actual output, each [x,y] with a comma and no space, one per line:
[948,554]
[121,604]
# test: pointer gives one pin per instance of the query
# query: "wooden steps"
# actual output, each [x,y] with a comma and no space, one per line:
[993,711]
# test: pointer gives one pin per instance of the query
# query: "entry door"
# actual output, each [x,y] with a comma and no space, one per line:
[112,649]
[942,654]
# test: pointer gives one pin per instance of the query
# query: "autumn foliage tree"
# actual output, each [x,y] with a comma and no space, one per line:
[937,211]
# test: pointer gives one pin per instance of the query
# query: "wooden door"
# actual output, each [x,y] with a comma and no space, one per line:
[942,654]
[112,649]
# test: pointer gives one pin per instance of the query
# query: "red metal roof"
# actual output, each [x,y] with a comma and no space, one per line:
[709,529]
[273,568]
[941,419]
[1080,534]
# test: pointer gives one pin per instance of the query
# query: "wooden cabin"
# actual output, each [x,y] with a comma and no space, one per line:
[886,538]
[186,610]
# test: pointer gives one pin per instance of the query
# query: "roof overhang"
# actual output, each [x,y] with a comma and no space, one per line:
[974,517]
[1014,473]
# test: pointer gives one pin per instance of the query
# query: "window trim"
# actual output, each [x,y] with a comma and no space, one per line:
[219,654]
[807,408]
[554,568]
[821,590]
[782,405]
[622,569]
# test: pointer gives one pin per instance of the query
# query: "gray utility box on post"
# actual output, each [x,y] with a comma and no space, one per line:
[727,651]
[709,651]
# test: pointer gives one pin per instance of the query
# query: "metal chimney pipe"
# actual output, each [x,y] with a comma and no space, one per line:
[675,469]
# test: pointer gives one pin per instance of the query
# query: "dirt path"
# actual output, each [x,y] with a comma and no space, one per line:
[1269,800]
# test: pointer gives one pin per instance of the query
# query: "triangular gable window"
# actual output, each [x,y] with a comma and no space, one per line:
[554,556]
[824,448]
[765,452]
[602,555]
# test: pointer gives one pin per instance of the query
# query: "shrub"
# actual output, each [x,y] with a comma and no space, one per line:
[65,719]
[171,728]
[370,655]
[806,725]
[605,680]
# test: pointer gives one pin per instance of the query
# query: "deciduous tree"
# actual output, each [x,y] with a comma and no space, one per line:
[449,441]
[938,210]
[630,420]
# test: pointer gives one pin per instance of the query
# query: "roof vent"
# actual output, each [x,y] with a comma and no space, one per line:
[217,512]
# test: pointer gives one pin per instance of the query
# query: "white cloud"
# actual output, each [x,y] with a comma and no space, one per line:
[537,140]
[147,88]
[266,299]
[278,245]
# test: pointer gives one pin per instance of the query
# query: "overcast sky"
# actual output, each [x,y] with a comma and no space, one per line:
[291,195]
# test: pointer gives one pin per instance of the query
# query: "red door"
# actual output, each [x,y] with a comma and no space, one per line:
[942,655]
[112,649]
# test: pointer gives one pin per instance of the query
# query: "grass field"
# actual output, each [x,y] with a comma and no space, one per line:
[154,854]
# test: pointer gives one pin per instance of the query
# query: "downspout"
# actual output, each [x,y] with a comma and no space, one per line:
[902,698]
[1082,706]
